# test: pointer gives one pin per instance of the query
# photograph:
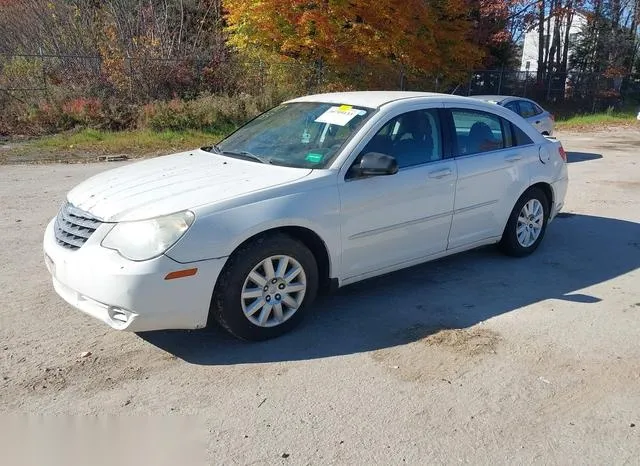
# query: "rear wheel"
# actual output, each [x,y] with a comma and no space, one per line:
[265,288]
[527,224]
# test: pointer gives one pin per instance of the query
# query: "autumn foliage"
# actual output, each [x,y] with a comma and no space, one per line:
[419,36]
[114,64]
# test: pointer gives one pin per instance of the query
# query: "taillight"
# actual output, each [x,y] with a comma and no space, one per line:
[562,153]
[553,117]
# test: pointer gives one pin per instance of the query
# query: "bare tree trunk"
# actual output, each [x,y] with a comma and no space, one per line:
[567,36]
[563,63]
[553,45]
[598,34]
[635,38]
[554,53]
[547,44]
[547,41]
[541,63]
[616,12]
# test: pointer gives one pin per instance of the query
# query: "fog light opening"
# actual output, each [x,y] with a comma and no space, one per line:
[119,314]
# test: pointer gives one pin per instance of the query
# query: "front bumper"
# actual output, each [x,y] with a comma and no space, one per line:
[130,295]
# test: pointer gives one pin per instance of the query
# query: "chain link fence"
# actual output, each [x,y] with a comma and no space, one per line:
[145,79]
[571,91]
[38,79]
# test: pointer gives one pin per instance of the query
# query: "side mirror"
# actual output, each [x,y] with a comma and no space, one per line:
[377,164]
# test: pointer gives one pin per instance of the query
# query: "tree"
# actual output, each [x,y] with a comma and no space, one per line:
[609,42]
[541,38]
[416,35]
[495,25]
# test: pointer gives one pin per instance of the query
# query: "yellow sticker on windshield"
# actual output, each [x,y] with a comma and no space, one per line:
[336,116]
[344,108]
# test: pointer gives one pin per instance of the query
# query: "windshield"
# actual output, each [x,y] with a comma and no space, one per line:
[303,134]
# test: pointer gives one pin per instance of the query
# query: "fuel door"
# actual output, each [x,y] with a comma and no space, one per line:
[544,154]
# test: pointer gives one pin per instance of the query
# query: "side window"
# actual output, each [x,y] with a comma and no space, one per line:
[513,106]
[477,131]
[527,109]
[413,138]
[520,138]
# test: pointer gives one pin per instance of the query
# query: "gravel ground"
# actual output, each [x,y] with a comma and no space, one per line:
[476,358]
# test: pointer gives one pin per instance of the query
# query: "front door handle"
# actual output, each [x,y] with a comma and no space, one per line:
[513,158]
[437,174]
[538,122]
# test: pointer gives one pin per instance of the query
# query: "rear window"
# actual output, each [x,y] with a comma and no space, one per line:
[520,138]
[513,106]
[527,109]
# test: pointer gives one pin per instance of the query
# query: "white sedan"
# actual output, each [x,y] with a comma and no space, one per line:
[319,192]
[538,117]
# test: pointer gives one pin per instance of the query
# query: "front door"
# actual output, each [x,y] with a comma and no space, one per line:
[389,220]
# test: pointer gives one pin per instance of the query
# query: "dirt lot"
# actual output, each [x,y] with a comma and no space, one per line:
[472,359]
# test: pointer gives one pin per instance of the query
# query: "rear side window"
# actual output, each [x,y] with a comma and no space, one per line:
[527,109]
[520,138]
[513,106]
[477,132]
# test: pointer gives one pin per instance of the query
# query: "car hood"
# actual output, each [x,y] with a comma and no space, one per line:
[173,183]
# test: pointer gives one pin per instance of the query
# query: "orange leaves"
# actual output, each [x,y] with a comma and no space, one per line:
[427,36]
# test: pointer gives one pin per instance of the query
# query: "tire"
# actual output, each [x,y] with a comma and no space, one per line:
[231,310]
[510,243]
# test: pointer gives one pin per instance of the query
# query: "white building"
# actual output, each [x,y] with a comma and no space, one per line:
[530,49]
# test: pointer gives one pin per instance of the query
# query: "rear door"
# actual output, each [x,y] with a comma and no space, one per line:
[492,172]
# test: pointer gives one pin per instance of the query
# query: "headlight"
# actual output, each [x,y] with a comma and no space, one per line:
[146,239]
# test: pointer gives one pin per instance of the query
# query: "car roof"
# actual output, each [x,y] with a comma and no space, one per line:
[502,99]
[496,98]
[376,99]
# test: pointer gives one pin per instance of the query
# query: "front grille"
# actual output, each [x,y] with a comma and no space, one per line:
[74,227]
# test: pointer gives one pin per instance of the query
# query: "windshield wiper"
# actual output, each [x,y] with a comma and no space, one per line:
[242,153]
[214,148]
[247,155]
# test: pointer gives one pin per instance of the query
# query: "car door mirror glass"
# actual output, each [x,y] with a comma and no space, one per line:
[377,164]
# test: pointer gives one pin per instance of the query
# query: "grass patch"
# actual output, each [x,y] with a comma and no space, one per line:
[129,142]
[598,119]
[88,144]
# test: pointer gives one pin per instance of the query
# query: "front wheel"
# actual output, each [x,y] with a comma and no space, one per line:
[526,225]
[265,288]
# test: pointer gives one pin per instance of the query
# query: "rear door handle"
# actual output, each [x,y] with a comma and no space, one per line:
[538,122]
[437,174]
[513,158]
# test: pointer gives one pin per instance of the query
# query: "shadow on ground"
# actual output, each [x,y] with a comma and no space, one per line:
[457,292]
[575,157]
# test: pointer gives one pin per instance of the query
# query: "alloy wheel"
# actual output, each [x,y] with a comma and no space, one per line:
[273,291]
[530,223]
